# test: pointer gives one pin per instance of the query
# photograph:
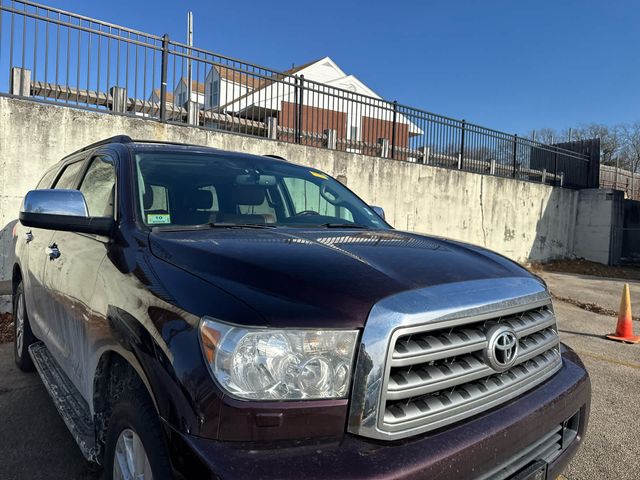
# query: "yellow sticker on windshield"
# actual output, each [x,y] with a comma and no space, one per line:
[318,174]
[158,218]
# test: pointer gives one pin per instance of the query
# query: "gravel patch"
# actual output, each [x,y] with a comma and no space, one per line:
[6,328]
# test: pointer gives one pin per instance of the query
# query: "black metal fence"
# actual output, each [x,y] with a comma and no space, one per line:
[57,56]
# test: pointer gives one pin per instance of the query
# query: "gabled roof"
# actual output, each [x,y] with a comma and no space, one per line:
[238,77]
[195,85]
[156,92]
[295,69]
[265,82]
[351,82]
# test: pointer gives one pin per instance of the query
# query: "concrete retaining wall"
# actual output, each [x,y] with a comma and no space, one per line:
[599,225]
[522,220]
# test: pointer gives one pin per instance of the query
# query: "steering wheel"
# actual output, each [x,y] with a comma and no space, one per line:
[306,212]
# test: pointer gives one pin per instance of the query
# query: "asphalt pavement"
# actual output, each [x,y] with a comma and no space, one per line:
[34,441]
[35,444]
[601,291]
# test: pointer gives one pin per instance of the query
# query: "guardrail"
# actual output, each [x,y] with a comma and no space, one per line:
[58,56]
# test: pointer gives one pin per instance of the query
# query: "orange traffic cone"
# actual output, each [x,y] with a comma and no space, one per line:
[624,329]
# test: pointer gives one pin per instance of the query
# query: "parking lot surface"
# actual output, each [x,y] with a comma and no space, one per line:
[597,291]
[35,444]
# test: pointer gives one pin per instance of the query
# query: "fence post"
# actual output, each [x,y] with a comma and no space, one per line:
[300,100]
[384,147]
[393,129]
[555,166]
[461,160]
[20,82]
[425,155]
[544,175]
[515,153]
[332,138]
[193,112]
[163,78]
[272,128]
[119,99]
[492,166]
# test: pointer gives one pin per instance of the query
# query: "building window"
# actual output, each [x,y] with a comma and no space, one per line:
[214,95]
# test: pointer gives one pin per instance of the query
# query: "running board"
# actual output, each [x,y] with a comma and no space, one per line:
[73,409]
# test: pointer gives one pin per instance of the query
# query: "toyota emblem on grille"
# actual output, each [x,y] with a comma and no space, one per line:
[502,348]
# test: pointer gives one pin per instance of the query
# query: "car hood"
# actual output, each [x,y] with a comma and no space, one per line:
[321,277]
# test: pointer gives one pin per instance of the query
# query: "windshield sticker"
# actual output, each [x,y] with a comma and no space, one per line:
[318,174]
[158,218]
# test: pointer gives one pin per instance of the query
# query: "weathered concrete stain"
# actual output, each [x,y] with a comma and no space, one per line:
[509,234]
[461,205]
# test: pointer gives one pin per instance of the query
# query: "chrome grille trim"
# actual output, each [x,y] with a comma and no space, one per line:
[410,382]
[455,405]
[433,324]
[426,348]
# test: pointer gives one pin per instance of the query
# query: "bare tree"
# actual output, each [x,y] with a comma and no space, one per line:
[544,135]
[610,140]
[630,135]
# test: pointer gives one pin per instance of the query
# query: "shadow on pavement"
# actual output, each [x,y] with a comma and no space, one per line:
[34,441]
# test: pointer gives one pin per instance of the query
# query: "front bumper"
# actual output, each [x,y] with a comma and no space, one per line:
[466,450]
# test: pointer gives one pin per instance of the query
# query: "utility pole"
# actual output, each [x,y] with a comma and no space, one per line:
[189,42]
[190,104]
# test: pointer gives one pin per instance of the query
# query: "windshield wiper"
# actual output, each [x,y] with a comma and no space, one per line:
[344,225]
[241,225]
[204,226]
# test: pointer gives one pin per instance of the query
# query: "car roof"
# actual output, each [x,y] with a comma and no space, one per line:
[167,147]
[157,145]
[138,145]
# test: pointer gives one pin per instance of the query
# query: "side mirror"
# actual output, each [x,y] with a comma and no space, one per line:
[64,210]
[379,211]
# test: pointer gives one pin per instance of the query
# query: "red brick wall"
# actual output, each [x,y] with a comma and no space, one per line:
[375,128]
[314,119]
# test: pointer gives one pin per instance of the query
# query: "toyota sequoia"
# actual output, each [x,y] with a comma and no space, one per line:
[197,313]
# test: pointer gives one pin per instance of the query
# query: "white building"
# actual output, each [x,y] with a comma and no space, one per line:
[332,99]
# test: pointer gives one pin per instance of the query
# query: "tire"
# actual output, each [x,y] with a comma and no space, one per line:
[23,336]
[134,419]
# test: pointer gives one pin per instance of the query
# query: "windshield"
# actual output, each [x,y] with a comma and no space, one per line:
[188,189]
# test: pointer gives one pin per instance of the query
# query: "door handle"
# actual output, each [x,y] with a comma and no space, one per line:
[28,236]
[52,251]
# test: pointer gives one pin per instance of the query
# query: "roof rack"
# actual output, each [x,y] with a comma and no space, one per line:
[277,157]
[164,142]
[106,141]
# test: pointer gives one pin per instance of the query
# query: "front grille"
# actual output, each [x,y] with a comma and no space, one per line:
[437,376]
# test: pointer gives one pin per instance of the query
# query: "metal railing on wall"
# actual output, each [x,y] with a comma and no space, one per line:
[620,179]
[57,56]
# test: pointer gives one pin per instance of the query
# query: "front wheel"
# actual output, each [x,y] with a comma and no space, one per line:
[135,448]
[23,336]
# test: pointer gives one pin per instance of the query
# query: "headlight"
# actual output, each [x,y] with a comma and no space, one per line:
[273,364]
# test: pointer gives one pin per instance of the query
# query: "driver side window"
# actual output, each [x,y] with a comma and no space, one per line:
[305,196]
[98,187]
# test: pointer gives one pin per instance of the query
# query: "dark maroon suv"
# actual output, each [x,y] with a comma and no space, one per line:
[197,313]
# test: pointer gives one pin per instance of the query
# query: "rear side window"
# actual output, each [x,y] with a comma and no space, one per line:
[46,179]
[68,177]
[98,187]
